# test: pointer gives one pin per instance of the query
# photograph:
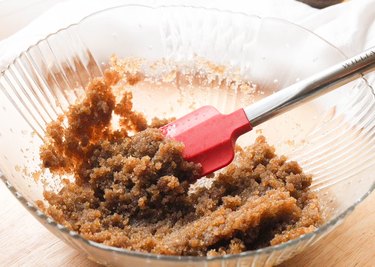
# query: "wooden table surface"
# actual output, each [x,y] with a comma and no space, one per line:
[25,242]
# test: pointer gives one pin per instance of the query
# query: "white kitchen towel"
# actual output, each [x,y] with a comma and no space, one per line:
[350,26]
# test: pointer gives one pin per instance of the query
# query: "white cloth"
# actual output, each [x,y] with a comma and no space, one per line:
[350,26]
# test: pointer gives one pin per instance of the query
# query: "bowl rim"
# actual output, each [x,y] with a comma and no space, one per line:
[41,216]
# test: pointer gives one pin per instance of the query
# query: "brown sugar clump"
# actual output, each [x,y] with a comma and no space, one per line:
[133,189]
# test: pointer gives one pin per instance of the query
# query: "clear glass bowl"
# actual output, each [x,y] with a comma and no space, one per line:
[332,137]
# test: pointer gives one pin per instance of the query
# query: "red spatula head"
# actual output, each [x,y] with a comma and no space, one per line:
[209,136]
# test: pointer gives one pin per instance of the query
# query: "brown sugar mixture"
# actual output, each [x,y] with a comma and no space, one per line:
[132,189]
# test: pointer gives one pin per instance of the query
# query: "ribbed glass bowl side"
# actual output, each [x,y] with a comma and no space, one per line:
[333,137]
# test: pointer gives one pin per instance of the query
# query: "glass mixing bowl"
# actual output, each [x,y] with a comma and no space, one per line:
[332,137]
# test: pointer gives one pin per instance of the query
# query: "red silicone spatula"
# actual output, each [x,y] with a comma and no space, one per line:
[209,136]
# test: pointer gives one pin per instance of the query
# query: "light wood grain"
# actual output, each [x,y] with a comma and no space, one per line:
[24,242]
[351,244]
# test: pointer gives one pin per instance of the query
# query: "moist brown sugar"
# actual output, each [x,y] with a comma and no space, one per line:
[132,189]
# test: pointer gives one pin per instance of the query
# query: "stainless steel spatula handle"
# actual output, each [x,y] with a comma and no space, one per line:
[312,87]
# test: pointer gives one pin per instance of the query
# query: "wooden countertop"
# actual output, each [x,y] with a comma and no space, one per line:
[25,242]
